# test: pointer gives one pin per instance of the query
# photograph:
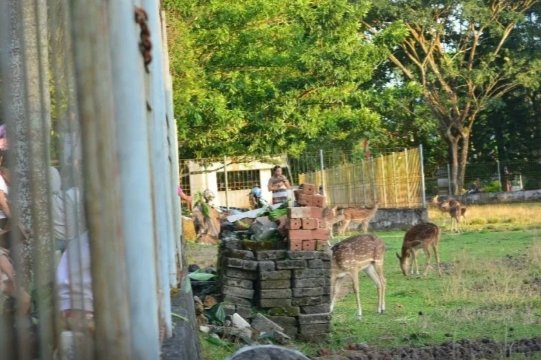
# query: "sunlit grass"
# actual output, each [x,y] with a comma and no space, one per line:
[490,288]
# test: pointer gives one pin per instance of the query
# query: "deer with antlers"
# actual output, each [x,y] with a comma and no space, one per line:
[455,209]
[363,252]
[425,236]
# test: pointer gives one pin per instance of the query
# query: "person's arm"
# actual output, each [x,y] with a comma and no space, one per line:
[270,185]
[4,206]
[286,182]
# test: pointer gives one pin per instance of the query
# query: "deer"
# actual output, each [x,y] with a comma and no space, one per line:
[455,209]
[424,236]
[363,252]
[356,215]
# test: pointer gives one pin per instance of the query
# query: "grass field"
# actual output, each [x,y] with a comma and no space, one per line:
[490,288]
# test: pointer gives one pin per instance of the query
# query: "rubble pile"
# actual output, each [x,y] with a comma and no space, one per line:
[291,286]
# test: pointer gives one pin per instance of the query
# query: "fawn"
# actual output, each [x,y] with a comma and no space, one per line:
[455,209]
[363,252]
[356,215]
[424,236]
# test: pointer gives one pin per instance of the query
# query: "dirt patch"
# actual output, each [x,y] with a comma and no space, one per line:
[462,349]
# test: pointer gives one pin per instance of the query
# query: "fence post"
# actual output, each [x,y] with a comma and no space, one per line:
[384,181]
[132,134]
[95,99]
[226,184]
[322,164]
[407,177]
[422,169]
[394,180]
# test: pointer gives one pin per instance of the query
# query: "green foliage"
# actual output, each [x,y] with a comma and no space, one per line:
[263,77]
[493,186]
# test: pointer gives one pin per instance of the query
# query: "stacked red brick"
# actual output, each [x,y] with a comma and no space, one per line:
[307,231]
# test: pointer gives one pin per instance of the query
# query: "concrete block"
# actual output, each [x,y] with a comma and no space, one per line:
[275,294]
[316,309]
[302,255]
[235,300]
[275,275]
[246,284]
[287,311]
[240,274]
[311,273]
[263,324]
[308,319]
[242,264]
[310,301]
[271,255]
[303,292]
[272,303]
[275,284]
[238,292]
[290,264]
[266,266]
[308,283]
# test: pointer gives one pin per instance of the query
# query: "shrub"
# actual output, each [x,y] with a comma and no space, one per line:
[493,186]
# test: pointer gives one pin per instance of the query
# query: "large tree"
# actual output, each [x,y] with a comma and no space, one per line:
[458,52]
[269,76]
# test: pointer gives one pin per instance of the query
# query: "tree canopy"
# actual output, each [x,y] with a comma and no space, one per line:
[270,76]
[459,53]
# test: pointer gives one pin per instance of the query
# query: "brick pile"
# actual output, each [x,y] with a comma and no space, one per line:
[307,230]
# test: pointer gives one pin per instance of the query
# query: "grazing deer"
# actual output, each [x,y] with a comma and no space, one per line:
[455,209]
[424,236]
[363,252]
[356,215]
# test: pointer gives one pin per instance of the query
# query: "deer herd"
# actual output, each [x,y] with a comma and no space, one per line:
[366,252]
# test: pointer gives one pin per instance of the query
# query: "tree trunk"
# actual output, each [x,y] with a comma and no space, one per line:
[462,162]
[453,154]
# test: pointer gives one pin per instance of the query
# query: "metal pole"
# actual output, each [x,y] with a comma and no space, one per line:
[135,179]
[422,169]
[322,164]
[93,71]
[226,184]
[407,177]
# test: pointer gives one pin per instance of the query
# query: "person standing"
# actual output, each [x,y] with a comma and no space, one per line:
[278,185]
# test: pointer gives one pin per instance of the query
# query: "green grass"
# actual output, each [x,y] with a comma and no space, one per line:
[490,287]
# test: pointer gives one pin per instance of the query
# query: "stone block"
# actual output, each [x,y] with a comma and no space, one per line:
[290,264]
[263,324]
[240,274]
[275,275]
[242,264]
[287,311]
[246,284]
[238,292]
[232,244]
[284,321]
[271,255]
[275,284]
[319,264]
[308,319]
[272,303]
[240,254]
[316,309]
[275,294]
[266,266]
[309,301]
[324,255]
[308,283]
[235,300]
[304,292]
[302,255]
[311,273]
[229,309]
[245,311]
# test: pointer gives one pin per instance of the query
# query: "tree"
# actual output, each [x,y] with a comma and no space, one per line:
[458,52]
[267,76]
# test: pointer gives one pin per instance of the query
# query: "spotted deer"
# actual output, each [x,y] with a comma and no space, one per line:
[456,210]
[362,252]
[424,236]
[356,215]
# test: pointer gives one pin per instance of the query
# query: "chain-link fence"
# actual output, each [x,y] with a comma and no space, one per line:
[488,177]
